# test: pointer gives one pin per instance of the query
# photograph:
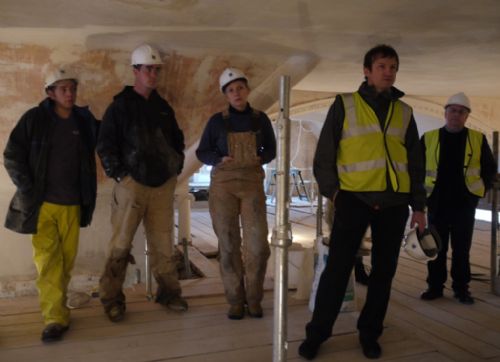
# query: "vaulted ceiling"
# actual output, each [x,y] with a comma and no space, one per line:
[445,45]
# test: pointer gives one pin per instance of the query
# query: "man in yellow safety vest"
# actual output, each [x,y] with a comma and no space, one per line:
[368,160]
[459,169]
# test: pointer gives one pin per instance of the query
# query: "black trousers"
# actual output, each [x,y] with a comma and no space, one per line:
[457,225]
[352,217]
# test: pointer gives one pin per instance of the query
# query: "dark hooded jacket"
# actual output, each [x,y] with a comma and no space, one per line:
[141,138]
[26,161]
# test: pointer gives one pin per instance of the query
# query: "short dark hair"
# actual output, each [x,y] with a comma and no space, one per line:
[379,51]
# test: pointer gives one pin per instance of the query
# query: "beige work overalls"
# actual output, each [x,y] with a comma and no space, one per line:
[237,191]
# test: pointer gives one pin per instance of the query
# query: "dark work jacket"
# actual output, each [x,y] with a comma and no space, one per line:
[141,138]
[325,158]
[26,160]
[450,191]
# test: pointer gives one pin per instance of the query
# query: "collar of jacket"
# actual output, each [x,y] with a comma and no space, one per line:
[128,92]
[247,110]
[48,105]
[368,91]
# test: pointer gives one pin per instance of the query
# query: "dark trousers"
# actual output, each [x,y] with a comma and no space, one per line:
[456,224]
[352,217]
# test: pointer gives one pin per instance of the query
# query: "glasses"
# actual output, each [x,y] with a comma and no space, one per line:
[458,110]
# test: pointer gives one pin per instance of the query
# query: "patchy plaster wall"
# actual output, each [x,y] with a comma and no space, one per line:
[188,82]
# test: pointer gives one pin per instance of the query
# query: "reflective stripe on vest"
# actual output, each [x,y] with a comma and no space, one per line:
[366,154]
[472,161]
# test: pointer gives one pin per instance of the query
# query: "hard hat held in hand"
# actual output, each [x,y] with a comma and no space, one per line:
[422,246]
[459,99]
[61,73]
[230,75]
[145,54]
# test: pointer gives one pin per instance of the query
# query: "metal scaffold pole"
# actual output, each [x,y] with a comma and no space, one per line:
[495,257]
[147,266]
[282,233]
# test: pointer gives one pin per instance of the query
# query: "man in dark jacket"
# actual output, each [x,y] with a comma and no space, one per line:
[369,161]
[50,158]
[141,147]
[460,168]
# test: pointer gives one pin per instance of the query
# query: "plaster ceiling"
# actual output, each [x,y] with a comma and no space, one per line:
[444,45]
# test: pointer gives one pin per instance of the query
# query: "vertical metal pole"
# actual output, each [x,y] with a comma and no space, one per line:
[494,274]
[282,237]
[319,217]
[187,264]
[147,266]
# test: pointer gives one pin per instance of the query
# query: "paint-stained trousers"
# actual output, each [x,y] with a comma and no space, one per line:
[132,203]
[235,194]
[55,246]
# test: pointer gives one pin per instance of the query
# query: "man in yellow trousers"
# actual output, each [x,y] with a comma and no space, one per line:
[50,158]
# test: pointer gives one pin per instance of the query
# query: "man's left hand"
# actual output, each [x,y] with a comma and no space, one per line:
[419,219]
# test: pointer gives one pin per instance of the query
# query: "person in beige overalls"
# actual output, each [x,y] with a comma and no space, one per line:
[237,142]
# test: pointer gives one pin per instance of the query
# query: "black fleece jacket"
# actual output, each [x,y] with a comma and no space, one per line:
[141,138]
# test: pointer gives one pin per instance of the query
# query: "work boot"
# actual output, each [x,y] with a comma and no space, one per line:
[177,304]
[171,299]
[255,310]
[53,332]
[116,312]
[236,311]
[431,294]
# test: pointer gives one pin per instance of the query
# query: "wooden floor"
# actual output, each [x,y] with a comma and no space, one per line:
[441,330]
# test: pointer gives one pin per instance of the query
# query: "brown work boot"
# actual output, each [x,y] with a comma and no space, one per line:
[236,311]
[255,310]
[177,304]
[116,312]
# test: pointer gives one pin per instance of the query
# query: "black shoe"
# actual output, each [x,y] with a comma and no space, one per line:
[53,332]
[431,294]
[371,349]
[464,298]
[309,349]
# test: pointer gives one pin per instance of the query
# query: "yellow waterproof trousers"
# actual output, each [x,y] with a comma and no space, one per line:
[54,250]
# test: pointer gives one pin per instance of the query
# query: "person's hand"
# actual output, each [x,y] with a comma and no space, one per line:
[418,218]
[226,159]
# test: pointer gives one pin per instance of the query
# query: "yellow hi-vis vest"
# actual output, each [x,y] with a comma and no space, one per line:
[472,161]
[366,153]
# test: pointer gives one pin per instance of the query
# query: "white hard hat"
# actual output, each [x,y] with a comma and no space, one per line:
[145,54]
[422,246]
[61,73]
[229,75]
[459,99]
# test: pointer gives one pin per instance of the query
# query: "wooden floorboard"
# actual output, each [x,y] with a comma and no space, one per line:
[416,330]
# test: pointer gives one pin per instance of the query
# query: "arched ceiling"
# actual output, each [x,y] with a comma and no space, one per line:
[445,45]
